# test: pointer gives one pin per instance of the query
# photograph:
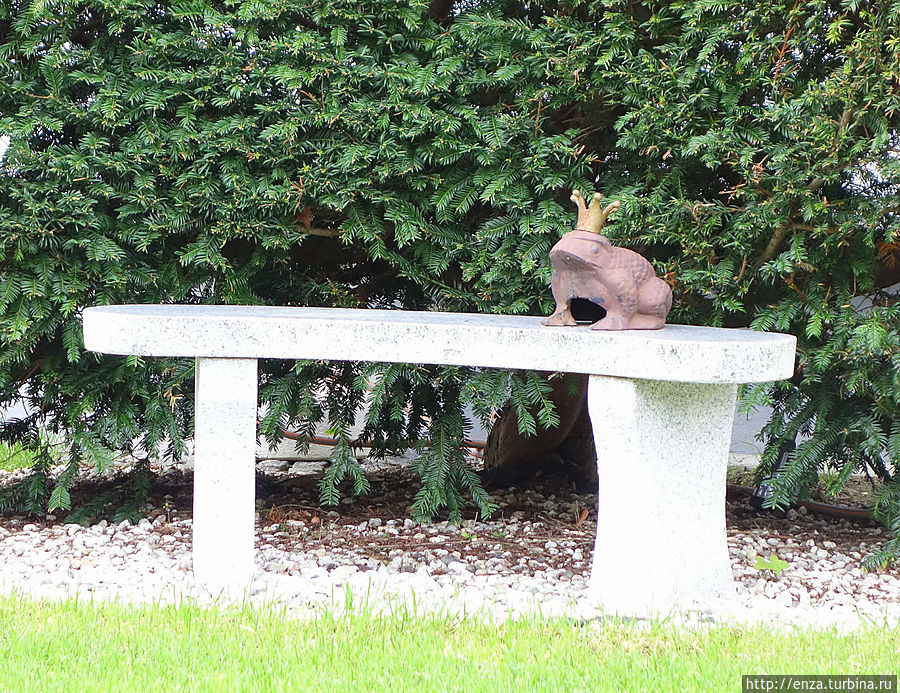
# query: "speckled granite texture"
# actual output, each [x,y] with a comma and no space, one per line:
[677,352]
[224,472]
[662,458]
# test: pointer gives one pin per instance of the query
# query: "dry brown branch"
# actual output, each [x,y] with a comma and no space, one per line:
[784,46]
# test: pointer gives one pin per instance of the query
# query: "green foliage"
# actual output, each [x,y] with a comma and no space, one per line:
[445,472]
[257,152]
[397,154]
[772,563]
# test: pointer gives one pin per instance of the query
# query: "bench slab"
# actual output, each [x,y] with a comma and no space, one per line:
[661,405]
[677,352]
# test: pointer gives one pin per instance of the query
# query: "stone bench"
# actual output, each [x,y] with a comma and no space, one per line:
[661,402]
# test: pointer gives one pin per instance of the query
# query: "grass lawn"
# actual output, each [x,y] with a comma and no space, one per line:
[72,646]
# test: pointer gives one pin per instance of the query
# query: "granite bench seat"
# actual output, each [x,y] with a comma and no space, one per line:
[661,404]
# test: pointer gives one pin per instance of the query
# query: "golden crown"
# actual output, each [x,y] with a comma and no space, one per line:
[592,218]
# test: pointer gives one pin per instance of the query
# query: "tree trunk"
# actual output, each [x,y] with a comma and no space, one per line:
[569,448]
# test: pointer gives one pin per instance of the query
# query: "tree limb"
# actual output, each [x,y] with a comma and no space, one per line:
[771,249]
[330,233]
[780,233]
[819,181]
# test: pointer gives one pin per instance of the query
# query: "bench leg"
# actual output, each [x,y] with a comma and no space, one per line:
[224,473]
[662,455]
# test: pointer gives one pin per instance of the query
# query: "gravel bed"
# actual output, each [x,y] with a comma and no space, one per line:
[534,556]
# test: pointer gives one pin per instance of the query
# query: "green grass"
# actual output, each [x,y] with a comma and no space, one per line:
[13,457]
[73,646]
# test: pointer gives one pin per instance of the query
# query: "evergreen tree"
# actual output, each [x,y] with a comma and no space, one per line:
[416,155]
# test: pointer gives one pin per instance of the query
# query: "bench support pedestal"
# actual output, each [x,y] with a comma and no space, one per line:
[224,473]
[662,455]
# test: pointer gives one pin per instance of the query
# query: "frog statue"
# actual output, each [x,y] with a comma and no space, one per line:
[618,281]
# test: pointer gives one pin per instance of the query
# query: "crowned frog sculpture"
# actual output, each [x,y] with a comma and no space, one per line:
[587,267]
